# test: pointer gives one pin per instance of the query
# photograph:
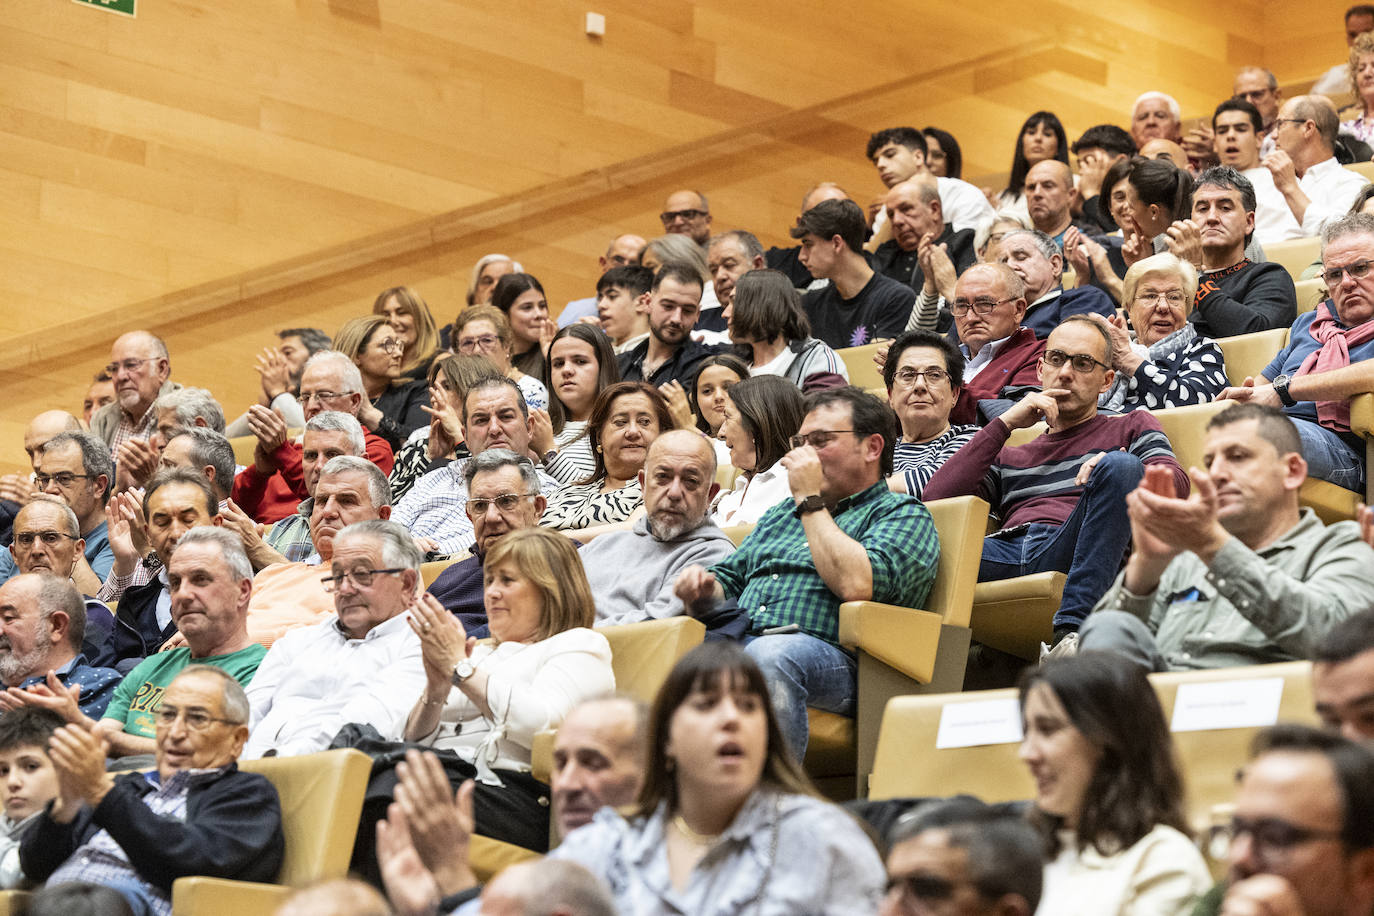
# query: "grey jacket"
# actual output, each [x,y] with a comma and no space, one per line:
[105,421]
[632,573]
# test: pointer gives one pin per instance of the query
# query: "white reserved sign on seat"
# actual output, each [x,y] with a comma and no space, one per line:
[1227,704]
[979,722]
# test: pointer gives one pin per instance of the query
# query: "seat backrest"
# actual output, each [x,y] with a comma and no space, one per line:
[321,802]
[908,762]
[1295,255]
[643,653]
[1247,354]
[961,522]
[1186,428]
[858,362]
[1310,293]
[243,447]
[737,533]
[1209,759]
[1364,169]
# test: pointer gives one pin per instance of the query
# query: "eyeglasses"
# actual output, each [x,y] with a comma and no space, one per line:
[818,439]
[1174,299]
[1081,362]
[671,216]
[197,720]
[485,342]
[1271,838]
[1357,270]
[64,479]
[1278,121]
[49,538]
[506,502]
[906,377]
[128,365]
[361,578]
[922,888]
[391,345]
[982,306]
[305,397]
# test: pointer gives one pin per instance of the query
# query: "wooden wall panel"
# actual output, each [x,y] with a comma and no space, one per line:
[215,171]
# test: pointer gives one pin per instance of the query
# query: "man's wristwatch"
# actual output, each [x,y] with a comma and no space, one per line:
[462,671]
[812,503]
[1281,389]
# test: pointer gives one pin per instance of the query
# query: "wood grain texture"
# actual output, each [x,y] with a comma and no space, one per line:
[214,171]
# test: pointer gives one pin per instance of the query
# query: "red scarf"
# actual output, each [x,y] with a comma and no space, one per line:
[1334,353]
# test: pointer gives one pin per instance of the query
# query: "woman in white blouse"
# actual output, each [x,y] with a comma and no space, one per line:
[1109,797]
[762,414]
[726,822]
[485,703]
[580,366]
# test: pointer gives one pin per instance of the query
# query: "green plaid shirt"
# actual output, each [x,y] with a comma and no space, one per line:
[774,577]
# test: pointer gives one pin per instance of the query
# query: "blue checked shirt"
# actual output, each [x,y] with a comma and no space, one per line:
[774,578]
[290,536]
[436,508]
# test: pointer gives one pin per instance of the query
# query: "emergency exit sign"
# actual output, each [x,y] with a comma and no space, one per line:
[123,7]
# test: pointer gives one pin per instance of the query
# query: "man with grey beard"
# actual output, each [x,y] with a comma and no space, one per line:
[632,572]
[42,622]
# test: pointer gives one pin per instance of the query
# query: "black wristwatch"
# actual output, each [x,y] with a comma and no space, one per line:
[812,503]
[1281,389]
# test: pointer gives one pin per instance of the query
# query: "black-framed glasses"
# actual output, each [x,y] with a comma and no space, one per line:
[49,538]
[197,720]
[506,502]
[1358,270]
[128,365]
[907,376]
[1270,837]
[1081,362]
[983,305]
[361,578]
[63,478]
[671,216]
[817,439]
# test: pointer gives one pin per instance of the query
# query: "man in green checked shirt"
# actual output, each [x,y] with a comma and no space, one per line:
[842,537]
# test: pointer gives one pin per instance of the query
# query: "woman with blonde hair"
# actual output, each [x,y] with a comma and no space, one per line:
[393,407]
[414,326]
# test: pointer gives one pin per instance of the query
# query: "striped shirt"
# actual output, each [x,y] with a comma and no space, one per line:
[1035,482]
[774,578]
[917,462]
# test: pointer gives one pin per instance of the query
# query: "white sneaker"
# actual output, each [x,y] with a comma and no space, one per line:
[1066,648]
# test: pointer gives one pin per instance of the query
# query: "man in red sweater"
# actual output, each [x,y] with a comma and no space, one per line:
[1002,355]
[273,485]
[1061,496]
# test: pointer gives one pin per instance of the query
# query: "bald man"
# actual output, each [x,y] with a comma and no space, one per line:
[1050,198]
[624,251]
[679,481]
[1160,148]
[925,252]
[140,367]
[18,489]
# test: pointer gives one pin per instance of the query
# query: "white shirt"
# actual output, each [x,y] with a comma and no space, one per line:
[976,364]
[1332,189]
[962,205]
[1162,873]
[1274,220]
[1335,81]
[315,680]
[530,688]
[746,502]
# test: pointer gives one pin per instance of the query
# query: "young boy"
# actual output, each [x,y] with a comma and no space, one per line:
[622,304]
[28,780]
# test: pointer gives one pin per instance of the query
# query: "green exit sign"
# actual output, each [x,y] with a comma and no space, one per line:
[123,7]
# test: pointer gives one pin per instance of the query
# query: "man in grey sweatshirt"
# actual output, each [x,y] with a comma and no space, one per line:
[632,572]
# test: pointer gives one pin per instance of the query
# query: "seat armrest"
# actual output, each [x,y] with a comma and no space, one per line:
[200,896]
[1362,415]
[900,637]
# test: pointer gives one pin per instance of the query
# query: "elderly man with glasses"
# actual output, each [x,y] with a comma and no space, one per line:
[1327,359]
[272,487]
[1061,496]
[140,367]
[195,814]
[362,665]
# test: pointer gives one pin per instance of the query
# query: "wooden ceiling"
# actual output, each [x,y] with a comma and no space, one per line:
[213,171]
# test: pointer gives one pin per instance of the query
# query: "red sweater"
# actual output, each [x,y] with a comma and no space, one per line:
[268,499]
[1016,363]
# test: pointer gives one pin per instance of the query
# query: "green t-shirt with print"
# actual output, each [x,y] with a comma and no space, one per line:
[139,694]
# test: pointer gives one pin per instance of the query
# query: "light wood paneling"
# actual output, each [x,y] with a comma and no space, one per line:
[214,171]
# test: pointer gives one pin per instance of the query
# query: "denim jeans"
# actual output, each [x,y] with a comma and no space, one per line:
[1088,547]
[803,671]
[1329,457]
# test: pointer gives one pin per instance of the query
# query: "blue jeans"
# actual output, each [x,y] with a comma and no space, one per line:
[803,671]
[1329,457]
[1088,547]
